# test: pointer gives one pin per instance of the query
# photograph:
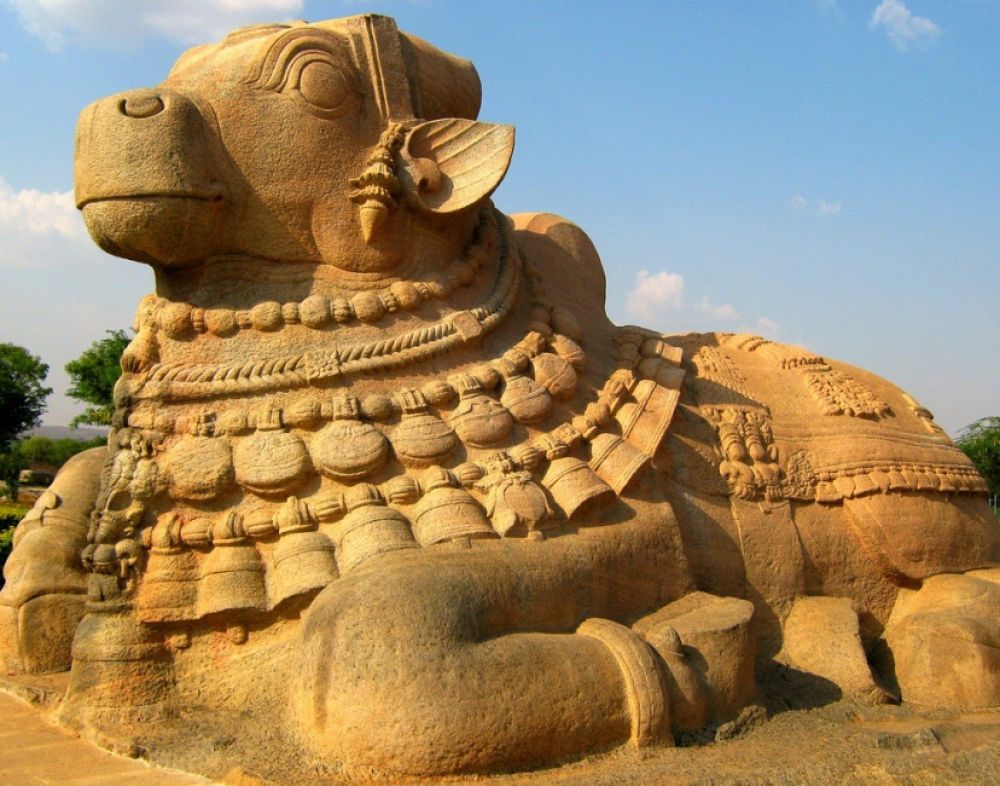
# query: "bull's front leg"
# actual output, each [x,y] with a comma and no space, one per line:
[502,656]
[43,597]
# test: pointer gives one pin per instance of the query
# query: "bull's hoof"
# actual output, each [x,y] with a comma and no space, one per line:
[42,599]
[945,642]
[822,636]
[37,637]
[717,649]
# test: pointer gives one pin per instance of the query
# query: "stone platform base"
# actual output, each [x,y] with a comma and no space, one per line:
[811,739]
[34,752]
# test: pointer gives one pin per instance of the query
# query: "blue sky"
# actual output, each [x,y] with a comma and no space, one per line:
[824,173]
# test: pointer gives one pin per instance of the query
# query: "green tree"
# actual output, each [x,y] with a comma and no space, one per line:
[22,394]
[94,375]
[37,450]
[56,452]
[11,464]
[22,402]
[981,442]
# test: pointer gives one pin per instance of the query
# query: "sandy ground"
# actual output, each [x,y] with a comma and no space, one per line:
[801,734]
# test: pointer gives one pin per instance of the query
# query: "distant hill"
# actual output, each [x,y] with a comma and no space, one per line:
[82,434]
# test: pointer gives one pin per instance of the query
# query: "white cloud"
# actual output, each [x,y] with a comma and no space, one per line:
[124,23]
[658,300]
[4,57]
[723,311]
[655,294]
[63,291]
[36,224]
[901,26]
[822,207]
[768,325]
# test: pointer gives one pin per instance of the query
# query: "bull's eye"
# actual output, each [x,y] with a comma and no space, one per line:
[324,87]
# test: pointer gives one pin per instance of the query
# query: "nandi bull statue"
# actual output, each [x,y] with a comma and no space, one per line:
[386,489]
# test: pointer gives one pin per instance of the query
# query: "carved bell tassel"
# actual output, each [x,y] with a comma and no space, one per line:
[349,449]
[421,439]
[479,420]
[448,511]
[369,529]
[373,216]
[555,374]
[568,350]
[116,656]
[232,575]
[574,486]
[169,588]
[304,558]
[272,461]
[515,504]
[525,399]
[199,467]
[616,461]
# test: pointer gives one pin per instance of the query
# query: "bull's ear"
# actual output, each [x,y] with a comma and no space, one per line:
[448,165]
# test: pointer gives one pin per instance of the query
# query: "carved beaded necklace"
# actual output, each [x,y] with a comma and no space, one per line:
[312,478]
[185,381]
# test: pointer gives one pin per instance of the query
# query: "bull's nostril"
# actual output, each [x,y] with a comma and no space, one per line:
[141,105]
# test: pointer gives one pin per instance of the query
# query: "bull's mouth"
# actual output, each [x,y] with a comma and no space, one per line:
[169,226]
[211,195]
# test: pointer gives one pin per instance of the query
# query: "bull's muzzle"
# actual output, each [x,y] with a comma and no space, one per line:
[149,177]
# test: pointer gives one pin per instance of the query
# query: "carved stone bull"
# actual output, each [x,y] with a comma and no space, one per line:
[385,482]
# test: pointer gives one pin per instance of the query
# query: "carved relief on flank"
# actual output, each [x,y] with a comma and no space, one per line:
[925,416]
[837,392]
[749,456]
[883,477]
[841,394]
[714,365]
[799,480]
[755,469]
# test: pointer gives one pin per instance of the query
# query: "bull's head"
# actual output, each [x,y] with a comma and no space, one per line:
[338,143]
